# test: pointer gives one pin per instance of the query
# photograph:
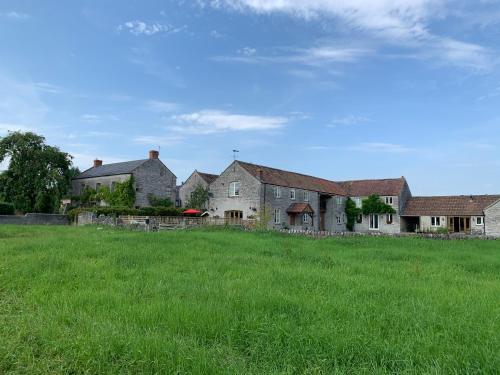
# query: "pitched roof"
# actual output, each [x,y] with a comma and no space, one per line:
[365,188]
[462,205]
[299,208]
[111,169]
[279,177]
[207,177]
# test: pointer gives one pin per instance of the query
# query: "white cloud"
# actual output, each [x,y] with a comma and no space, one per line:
[149,28]
[215,121]
[402,23]
[161,106]
[48,88]
[247,51]
[15,15]
[381,147]
[92,119]
[348,121]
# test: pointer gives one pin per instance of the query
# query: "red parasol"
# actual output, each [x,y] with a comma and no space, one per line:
[191,211]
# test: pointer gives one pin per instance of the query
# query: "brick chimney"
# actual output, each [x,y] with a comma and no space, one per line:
[153,154]
[97,163]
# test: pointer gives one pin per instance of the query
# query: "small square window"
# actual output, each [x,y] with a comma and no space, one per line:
[389,219]
[292,194]
[435,221]
[479,220]
[234,189]
[305,218]
[277,192]
[339,201]
[306,196]
[339,220]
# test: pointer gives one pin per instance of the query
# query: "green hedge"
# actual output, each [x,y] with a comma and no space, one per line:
[117,211]
[7,208]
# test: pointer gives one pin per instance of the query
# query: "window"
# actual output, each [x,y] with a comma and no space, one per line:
[277,192]
[339,220]
[373,222]
[305,218]
[389,218]
[306,196]
[359,219]
[292,194]
[479,220]
[358,202]
[435,221]
[277,216]
[339,201]
[388,200]
[234,189]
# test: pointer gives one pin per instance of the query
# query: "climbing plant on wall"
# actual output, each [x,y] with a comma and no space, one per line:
[374,205]
[351,212]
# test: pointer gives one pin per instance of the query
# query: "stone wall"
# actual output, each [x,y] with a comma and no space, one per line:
[384,227]
[34,219]
[153,177]
[492,220]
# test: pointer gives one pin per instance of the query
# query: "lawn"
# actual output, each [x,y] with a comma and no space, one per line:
[93,300]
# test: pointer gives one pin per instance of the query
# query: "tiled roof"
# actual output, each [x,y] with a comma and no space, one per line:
[111,169]
[207,177]
[365,188]
[291,179]
[299,208]
[463,205]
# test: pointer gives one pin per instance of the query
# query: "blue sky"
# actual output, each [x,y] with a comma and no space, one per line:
[336,89]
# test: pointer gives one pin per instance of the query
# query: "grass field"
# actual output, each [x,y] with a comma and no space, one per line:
[89,300]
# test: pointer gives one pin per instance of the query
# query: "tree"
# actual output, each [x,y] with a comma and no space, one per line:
[199,198]
[38,175]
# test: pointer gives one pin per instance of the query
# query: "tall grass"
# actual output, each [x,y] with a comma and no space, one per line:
[89,300]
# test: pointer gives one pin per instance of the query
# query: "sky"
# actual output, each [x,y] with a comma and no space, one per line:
[336,89]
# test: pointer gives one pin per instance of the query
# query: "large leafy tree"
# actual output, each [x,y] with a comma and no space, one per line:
[199,198]
[38,175]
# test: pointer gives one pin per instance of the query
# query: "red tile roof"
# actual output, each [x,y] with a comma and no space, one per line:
[365,188]
[463,205]
[299,208]
[279,177]
[207,177]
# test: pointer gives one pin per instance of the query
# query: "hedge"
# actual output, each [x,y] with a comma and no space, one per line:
[7,208]
[117,211]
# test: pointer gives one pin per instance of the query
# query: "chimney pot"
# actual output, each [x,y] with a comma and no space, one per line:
[97,163]
[153,154]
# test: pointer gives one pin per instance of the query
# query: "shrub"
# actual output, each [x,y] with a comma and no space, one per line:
[7,208]
[155,201]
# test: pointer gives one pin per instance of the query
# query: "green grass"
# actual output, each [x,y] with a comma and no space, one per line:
[88,300]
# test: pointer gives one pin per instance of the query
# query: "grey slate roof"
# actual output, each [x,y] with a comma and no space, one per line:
[111,169]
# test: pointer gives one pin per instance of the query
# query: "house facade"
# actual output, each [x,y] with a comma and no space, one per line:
[394,192]
[151,177]
[196,179]
[468,214]
[286,199]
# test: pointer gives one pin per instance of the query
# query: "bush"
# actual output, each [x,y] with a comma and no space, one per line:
[121,210]
[7,208]
[154,201]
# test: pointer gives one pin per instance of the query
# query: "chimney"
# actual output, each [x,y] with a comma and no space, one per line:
[153,154]
[97,163]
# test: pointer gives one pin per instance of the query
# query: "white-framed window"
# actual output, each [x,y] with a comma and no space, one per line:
[479,220]
[389,218]
[374,222]
[339,201]
[359,219]
[435,221]
[277,216]
[339,220]
[292,194]
[305,218]
[358,202]
[306,196]
[388,200]
[277,192]
[234,189]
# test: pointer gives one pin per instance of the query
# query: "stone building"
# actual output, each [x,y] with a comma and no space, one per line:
[151,176]
[290,200]
[468,214]
[196,179]
[394,192]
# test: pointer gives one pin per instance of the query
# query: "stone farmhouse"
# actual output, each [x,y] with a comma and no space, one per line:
[297,201]
[151,176]
[196,178]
